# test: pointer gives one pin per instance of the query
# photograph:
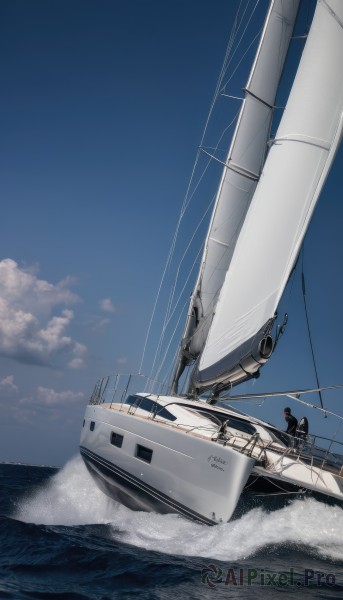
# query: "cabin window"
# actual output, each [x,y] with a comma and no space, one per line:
[117,439]
[143,453]
[92,425]
[163,412]
[150,406]
[83,424]
[242,426]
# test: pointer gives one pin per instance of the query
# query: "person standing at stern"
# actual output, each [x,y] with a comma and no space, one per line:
[292,422]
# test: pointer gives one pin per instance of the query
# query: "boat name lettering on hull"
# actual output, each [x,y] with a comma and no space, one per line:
[217,462]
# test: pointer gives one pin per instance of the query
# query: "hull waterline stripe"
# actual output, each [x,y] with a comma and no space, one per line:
[113,470]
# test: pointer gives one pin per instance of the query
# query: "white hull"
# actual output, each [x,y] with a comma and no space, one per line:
[187,474]
[188,465]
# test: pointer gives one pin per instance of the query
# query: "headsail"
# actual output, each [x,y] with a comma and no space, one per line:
[240,175]
[294,173]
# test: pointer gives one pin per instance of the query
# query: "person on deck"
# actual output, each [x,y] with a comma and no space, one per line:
[292,422]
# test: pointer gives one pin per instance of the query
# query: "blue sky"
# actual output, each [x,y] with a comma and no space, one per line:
[102,107]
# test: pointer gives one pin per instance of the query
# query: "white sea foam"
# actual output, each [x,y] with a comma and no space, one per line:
[72,498]
[69,498]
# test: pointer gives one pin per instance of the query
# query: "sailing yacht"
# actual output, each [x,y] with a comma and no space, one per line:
[189,453]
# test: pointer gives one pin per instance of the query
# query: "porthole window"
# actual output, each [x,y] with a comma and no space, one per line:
[92,425]
[143,453]
[117,439]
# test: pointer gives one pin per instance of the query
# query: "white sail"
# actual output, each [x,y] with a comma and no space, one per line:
[294,174]
[242,170]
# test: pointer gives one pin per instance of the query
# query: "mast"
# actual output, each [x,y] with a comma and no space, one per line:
[239,179]
[295,171]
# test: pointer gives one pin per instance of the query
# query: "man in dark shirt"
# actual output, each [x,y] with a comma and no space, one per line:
[292,422]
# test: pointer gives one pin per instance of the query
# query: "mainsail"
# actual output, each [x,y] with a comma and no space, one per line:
[294,173]
[240,175]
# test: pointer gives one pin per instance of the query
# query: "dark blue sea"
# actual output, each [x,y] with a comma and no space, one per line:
[62,539]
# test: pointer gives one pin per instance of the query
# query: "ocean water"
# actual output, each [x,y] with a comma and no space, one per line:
[61,538]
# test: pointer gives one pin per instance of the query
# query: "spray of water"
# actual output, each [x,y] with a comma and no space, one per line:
[69,498]
[72,498]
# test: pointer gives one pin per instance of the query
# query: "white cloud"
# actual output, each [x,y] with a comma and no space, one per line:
[76,363]
[97,324]
[122,360]
[23,286]
[29,332]
[7,386]
[50,397]
[107,306]
[79,352]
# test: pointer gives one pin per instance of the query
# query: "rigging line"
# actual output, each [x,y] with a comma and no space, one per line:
[168,375]
[324,410]
[168,315]
[187,199]
[171,339]
[190,196]
[293,395]
[308,327]
[215,96]
[169,311]
[186,202]
[171,253]
[211,158]
[226,62]
[328,449]
[242,58]
[334,437]
[287,393]
[193,193]
[157,299]
[171,314]
[240,41]
[161,340]
[172,248]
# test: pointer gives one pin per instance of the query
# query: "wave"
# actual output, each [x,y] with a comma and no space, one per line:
[71,498]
